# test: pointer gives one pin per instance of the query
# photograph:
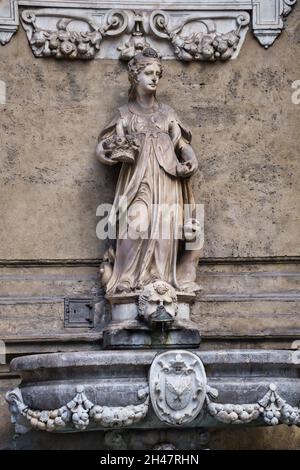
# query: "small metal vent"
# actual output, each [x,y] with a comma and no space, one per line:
[79,313]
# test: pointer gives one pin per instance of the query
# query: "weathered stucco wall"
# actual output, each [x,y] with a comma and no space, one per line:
[245,132]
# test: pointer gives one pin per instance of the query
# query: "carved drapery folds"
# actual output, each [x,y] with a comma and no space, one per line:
[206,31]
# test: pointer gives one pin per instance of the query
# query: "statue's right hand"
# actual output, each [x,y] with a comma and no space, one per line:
[184,170]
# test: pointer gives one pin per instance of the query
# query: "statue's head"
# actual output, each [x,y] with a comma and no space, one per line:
[157,303]
[145,71]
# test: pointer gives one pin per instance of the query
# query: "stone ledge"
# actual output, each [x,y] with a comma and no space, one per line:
[241,387]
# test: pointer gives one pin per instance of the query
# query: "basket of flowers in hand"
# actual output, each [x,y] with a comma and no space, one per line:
[121,148]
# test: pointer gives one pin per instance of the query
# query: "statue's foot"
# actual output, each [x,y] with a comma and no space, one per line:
[123,288]
[190,287]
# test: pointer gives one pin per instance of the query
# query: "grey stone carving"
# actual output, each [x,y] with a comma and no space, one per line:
[216,29]
[179,391]
[271,408]
[177,382]
[204,45]
[76,414]
[64,42]
[157,303]
[137,41]
[268,19]
[165,446]
[234,414]
[129,328]
[115,440]
[275,409]
[180,394]
[213,36]
[9,20]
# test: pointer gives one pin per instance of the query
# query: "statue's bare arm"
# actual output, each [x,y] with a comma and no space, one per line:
[188,160]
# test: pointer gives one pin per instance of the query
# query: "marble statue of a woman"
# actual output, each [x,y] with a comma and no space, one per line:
[153,188]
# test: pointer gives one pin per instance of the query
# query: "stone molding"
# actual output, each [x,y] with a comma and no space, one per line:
[189,31]
[9,20]
[179,395]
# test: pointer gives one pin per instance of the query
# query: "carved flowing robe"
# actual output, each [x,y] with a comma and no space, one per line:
[150,187]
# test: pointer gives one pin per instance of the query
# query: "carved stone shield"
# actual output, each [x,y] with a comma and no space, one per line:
[177,384]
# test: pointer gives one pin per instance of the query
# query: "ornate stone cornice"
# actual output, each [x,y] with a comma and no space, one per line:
[179,393]
[209,30]
[204,36]
[268,19]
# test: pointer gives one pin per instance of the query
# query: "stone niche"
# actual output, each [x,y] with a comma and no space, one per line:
[230,354]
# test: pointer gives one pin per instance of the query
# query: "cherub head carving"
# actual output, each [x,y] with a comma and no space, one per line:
[157,303]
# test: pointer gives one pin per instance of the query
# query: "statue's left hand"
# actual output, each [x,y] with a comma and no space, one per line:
[186,169]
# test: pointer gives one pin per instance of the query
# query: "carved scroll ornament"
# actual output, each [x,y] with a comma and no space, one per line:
[208,45]
[205,43]
[209,31]
[65,42]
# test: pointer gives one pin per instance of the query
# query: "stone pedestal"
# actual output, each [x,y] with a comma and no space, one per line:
[128,330]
